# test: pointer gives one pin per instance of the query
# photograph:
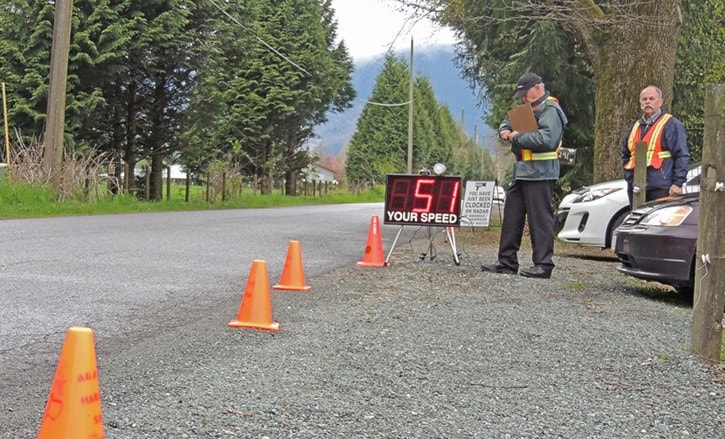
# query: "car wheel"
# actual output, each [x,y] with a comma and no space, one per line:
[687,290]
[613,225]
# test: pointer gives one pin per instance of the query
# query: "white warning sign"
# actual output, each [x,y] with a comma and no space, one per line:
[477,203]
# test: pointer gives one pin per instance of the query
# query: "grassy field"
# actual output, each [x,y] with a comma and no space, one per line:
[30,201]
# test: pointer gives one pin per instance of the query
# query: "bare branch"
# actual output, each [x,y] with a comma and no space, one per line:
[581,13]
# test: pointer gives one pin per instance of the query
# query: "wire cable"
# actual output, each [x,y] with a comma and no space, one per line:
[281,55]
[387,105]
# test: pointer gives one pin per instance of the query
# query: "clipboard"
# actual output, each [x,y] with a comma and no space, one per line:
[522,118]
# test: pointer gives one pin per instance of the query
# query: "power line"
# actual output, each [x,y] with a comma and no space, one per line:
[258,38]
[387,105]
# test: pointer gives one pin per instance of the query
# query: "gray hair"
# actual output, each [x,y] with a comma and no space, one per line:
[657,89]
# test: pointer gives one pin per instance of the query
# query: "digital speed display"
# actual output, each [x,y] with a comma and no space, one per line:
[425,200]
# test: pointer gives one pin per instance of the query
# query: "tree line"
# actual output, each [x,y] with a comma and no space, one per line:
[189,81]
[244,83]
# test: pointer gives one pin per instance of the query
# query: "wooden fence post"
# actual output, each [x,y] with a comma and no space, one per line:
[639,187]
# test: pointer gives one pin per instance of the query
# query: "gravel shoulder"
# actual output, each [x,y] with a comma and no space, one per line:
[422,348]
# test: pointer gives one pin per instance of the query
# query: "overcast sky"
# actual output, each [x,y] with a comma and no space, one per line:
[370,27]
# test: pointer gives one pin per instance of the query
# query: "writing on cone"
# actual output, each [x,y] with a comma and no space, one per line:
[74,406]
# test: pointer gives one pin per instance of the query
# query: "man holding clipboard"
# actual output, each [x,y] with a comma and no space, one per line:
[535,130]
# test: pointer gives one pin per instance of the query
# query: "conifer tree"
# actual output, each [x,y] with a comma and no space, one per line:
[379,145]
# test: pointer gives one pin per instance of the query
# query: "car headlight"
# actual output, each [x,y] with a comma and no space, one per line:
[667,217]
[596,194]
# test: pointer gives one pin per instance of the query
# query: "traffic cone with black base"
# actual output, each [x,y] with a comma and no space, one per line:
[293,275]
[255,311]
[373,256]
[74,406]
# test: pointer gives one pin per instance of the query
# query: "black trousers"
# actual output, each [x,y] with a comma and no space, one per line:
[532,199]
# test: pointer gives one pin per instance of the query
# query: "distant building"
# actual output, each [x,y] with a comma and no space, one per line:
[319,172]
[177,174]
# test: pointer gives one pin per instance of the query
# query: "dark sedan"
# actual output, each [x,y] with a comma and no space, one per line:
[657,241]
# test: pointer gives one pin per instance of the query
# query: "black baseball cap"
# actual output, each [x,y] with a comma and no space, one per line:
[526,81]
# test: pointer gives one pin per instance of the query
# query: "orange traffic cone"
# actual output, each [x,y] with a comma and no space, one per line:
[293,276]
[255,311]
[74,405]
[373,256]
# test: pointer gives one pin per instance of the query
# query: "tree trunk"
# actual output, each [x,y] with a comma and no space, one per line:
[267,183]
[157,178]
[158,137]
[129,182]
[627,58]
[290,179]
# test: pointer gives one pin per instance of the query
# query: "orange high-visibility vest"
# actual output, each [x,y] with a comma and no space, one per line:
[527,154]
[655,154]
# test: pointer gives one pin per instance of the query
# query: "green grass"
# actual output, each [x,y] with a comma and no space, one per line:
[576,286]
[33,201]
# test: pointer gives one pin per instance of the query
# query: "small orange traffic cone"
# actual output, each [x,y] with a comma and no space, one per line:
[373,256]
[74,405]
[255,311]
[293,276]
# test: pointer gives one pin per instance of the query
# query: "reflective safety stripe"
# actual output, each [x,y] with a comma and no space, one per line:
[655,153]
[527,155]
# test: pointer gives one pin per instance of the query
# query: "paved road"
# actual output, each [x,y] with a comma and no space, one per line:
[105,271]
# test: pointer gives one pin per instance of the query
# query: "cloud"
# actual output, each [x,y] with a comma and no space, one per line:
[371,27]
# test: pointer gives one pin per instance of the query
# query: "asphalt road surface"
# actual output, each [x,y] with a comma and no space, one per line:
[422,348]
[111,272]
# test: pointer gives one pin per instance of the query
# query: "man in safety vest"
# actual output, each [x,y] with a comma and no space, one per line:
[531,193]
[668,156]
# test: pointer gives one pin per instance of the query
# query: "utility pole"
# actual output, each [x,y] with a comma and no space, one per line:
[410,112]
[709,299]
[8,157]
[55,117]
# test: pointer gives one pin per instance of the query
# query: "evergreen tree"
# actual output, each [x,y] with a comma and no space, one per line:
[433,142]
[272,91]
[101,34]
[379,145]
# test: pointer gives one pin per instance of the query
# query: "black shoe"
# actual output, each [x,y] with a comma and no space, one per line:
[536,271]
[498,267]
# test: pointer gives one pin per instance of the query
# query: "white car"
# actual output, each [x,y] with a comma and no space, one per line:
[589,215]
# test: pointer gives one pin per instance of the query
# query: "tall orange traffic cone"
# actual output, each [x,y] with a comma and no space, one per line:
[74,405]
[293,276]
[373,256]
[255,311]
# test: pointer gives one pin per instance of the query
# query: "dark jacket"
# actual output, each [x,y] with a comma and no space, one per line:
[551,121]
[673,170]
